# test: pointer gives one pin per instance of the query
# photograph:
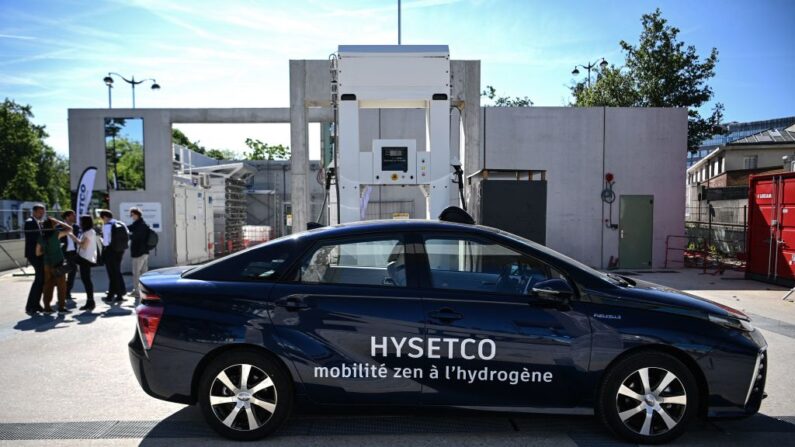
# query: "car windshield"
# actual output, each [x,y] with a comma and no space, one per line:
[609,277]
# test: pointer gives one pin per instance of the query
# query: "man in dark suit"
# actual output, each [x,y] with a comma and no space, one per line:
[116,239]
[32,232]
[70,251]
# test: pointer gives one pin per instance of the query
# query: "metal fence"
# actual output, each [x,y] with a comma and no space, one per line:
[717,215]
[714,238]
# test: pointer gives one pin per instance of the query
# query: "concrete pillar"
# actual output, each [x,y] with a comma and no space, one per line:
[299,149]
[471,118]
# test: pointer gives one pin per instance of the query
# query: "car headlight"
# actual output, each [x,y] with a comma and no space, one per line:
[732,323]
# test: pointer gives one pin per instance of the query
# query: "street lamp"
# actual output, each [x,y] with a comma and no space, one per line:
[590,66]
[109,82]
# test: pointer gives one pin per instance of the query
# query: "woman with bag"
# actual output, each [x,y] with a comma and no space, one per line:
[86,244]
[55,270]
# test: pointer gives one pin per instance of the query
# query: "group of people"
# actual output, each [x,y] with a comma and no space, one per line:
[60,249]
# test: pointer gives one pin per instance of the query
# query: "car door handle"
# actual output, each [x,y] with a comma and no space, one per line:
[445,315]
[292,303]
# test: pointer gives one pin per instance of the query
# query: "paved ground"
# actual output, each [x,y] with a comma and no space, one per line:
[67,381]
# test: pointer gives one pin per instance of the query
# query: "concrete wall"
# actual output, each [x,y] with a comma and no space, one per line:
[87,148]
[643,148]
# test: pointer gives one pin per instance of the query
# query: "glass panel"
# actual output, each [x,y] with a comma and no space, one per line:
[372,263]
[124,153]
[477,266]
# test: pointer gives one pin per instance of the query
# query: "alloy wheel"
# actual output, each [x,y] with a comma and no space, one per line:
[651,401]
[243,397]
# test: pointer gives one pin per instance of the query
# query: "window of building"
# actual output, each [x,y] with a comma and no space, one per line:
[124,153]
[750,162]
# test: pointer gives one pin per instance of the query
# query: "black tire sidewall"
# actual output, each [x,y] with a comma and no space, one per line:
[606,405]
[280,378]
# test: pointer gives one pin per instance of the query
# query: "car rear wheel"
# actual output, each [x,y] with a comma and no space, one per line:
[245,395]
[648,398]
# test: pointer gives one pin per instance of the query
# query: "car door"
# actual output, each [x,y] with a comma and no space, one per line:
[344,296]
[526,351]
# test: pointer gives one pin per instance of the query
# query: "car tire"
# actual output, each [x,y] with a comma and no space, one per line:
[245,395]
[648,398]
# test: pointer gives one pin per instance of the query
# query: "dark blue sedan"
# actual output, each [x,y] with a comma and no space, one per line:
[427,313]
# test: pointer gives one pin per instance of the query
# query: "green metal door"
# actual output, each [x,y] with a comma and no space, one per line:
[635,231]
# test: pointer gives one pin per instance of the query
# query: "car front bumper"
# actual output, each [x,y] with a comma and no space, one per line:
[737,382]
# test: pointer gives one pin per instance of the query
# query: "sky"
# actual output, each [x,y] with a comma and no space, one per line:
[54,54]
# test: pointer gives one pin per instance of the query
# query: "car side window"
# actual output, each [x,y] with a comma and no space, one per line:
[257,264]
[483,266]
[372,262]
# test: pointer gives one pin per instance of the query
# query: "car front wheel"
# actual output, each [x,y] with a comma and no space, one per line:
[648,398]
[245,395]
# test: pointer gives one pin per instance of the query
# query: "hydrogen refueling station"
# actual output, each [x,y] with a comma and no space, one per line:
[404,124]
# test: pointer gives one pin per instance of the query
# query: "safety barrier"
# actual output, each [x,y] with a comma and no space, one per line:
[704,253]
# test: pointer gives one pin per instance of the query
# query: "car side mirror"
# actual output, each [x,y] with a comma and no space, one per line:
[553,289]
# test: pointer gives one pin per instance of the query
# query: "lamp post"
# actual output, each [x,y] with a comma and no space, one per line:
[109,82]
[590,66]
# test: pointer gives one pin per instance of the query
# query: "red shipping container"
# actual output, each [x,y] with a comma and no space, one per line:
[771,228]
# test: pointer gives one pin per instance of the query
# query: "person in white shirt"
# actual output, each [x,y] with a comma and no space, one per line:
[116,239]
[86,244]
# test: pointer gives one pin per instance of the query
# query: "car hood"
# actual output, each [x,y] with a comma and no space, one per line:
[666,298]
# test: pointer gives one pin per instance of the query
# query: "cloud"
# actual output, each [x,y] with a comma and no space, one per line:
[6,79]
[17,37]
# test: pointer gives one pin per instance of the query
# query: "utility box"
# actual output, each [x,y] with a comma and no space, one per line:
[193,216]
[771,228]
[513,201]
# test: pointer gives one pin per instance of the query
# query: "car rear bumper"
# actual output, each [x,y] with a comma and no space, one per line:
[172,383]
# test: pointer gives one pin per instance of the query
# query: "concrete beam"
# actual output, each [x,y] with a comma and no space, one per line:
[299,149]
[466,94]
[244,115]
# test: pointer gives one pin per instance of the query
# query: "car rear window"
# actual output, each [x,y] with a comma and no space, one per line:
[260,263]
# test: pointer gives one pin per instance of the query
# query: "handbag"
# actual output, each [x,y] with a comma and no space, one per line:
[100,251]
[63,269]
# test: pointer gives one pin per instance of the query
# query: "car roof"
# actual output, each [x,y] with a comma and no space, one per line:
[387,225]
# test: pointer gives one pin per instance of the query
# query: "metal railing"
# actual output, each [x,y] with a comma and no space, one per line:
[708,253]
[717,215]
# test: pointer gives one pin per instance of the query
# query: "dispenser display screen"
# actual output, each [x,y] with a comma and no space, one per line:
[395,159]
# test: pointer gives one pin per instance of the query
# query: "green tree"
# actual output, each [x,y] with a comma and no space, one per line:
[221,154]
[130,165]
[505,101]
[660,71]
[264,151]
[29,168]
[178,137]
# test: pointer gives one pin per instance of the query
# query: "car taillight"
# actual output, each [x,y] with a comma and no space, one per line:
[149,314]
